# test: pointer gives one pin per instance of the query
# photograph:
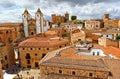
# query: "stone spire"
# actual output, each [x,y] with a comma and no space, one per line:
[39,11]
[26,11]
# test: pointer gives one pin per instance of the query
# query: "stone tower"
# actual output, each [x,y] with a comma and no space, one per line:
[39,21]
[106,16]
[66,16]
[25,17]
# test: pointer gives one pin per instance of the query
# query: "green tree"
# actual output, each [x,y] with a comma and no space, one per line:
[117,37]
[73,17]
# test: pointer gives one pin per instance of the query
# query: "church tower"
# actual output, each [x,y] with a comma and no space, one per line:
[39,21]
[25,17]
[66,16]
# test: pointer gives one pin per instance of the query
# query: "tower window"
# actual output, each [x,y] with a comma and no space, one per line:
[37,15]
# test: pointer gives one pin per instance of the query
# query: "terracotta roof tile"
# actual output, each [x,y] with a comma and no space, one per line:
[42,42]
[76,63]
[112,50]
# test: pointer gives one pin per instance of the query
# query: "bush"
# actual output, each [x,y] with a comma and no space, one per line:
[117,37]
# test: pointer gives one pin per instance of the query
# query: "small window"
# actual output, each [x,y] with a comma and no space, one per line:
[32,33]
[73,72]
[65,31]
[23,48]
[110,74]
[39,48]
[90,74]
[96,25]
[60,46]
[60,71]
[28,66]
[106,35]
[31,48]
[5,57]
[93,53]
[6,32]
[98,53]
[37,15]
[47,48]
[65,44]
[35,54]
[43,55]
[79,39]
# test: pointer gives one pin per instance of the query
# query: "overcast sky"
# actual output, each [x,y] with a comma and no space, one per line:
[11,10]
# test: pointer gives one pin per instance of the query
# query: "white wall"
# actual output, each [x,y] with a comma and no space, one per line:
[97,52]
[110,36]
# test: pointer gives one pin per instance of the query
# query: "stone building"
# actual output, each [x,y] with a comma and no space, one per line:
[67,64]
[58,67]
[73,32]
[7,37]
[18,29]
[93,24]
[59,18]
[32,50]
[1,72]
[108,22]
[34,25]
[108,42]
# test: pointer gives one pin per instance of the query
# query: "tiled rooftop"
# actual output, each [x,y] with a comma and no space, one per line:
[112,50]
[76,63]
[43,42]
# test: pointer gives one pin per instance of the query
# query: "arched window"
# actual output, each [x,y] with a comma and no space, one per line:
[27,56]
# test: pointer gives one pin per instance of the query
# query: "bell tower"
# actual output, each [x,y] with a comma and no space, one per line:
[66,16]
[25,17]
[39,21]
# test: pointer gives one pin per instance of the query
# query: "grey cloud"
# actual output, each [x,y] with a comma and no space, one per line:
[7,4]
[83,2]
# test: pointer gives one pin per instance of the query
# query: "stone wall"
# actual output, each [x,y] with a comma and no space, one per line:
[70,73]
[36,54]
